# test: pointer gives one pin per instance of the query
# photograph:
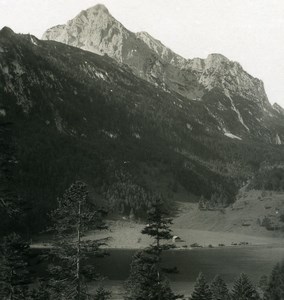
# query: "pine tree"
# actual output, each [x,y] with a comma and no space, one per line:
[243,289]
[73,217]
[143,282]
[14,274]
[146,280]
[219,289]
[201,289]
[158,227]
[275,289]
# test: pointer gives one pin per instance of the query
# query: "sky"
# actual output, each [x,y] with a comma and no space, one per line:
[248,31]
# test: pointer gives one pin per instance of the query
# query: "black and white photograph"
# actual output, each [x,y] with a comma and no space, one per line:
[141,150]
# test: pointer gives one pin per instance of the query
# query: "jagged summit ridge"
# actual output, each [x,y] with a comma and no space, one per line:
[96,30]
[216,103]
[228,93]
[159,48]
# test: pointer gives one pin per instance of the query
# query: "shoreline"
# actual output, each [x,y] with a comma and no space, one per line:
[204,239]
[205,229]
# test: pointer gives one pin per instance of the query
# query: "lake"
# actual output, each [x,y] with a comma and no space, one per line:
[228,262]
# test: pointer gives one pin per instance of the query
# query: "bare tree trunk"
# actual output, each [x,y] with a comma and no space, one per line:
[79,252]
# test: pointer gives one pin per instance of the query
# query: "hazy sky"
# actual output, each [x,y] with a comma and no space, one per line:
[248,31]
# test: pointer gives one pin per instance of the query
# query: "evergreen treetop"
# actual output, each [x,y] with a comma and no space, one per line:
[243,289]
[201,289]
[219,289]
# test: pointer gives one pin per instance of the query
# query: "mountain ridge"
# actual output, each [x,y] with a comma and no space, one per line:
[194,79]
[100,18]
[75,114]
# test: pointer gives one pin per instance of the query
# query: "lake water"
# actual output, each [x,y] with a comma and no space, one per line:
[227,262]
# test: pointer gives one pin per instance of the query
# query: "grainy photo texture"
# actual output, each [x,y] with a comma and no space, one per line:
[141,150]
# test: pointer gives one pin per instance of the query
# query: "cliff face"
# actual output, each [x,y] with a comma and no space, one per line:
[97,31]
[233,98]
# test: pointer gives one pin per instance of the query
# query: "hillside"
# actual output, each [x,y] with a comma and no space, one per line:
[74,114]
[241,224]
[246,216]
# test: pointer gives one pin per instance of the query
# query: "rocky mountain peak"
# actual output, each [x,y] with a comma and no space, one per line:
[94,30]
[97,31]
[216,58]
[99,8]
[93,14]
[6,31]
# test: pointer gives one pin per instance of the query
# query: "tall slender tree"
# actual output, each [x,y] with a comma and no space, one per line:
[146,280]
[72,218]
[158,227]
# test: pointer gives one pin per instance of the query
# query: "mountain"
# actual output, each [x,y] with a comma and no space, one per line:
[236,100]
[73,114]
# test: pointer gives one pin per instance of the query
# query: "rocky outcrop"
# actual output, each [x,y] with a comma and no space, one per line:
[278,109]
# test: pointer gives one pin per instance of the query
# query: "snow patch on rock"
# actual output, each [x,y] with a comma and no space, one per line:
[240,118]
[278,140]
[188,126]
[34,41]
[232,136]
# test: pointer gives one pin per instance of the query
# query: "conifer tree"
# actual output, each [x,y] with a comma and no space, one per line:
[275,289]
[146,280]
[14,274]
[201,289]
[143,282]
[219,289]
[243,289]
[159,229]
[72,218]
